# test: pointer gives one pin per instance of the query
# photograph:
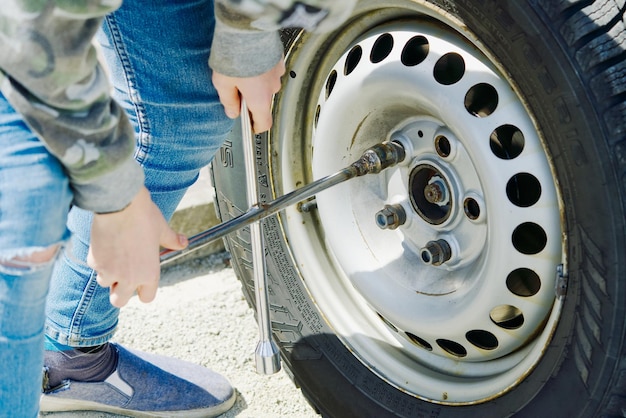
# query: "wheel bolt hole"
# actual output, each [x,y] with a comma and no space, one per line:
[443,146]
[472,208]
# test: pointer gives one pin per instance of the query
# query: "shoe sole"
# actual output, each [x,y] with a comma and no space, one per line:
[51,404]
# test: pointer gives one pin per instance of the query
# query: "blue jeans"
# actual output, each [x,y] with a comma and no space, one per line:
[34,200]
[157,52]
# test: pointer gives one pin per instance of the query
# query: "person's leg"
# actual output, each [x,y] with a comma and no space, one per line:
[34,201]
[157,52]
[160,75]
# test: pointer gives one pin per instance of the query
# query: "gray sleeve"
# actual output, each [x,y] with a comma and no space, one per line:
[240,53]
[50,74]
[246,41]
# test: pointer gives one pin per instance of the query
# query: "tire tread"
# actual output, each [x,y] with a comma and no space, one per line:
[594,33]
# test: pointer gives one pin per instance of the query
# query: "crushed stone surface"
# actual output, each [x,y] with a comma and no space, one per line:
[200,315]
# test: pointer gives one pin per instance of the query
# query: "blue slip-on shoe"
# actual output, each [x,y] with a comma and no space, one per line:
[146,385]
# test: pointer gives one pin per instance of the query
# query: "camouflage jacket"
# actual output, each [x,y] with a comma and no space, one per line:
[50,74]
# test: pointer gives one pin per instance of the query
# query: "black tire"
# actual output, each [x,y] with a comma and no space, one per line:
[566,61]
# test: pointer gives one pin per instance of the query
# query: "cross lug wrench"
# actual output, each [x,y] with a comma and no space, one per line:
[267,355]
[372,161]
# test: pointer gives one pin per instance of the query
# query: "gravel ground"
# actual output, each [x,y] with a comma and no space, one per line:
[200,315]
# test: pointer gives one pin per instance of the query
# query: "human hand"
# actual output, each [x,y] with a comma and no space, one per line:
[256,91]
[125,249]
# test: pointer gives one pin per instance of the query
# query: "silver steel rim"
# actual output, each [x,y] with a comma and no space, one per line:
[471,328]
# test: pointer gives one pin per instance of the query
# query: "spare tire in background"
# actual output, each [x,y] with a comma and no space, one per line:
[514,118]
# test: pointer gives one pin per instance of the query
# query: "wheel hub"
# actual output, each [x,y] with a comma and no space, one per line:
[430,194]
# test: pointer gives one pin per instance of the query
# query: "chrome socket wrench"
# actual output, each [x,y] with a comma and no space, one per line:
[372,161]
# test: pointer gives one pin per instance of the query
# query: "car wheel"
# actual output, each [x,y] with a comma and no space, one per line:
[483,276]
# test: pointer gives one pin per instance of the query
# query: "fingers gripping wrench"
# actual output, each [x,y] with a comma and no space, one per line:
[372,161]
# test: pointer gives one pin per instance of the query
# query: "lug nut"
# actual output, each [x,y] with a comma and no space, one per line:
[391,217]
[436,252]
[308,206]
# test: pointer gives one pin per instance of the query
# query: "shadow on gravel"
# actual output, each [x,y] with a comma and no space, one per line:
[188,268]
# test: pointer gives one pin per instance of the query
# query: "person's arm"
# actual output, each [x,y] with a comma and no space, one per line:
[247,53]
[50,74]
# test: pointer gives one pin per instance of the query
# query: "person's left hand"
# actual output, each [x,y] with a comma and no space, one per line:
[256,91]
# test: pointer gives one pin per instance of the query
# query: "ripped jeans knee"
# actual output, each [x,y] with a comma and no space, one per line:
[25,261]
[24,285]
[25,276]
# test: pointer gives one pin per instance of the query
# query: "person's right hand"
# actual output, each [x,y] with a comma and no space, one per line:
[256,91]
[124,249]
